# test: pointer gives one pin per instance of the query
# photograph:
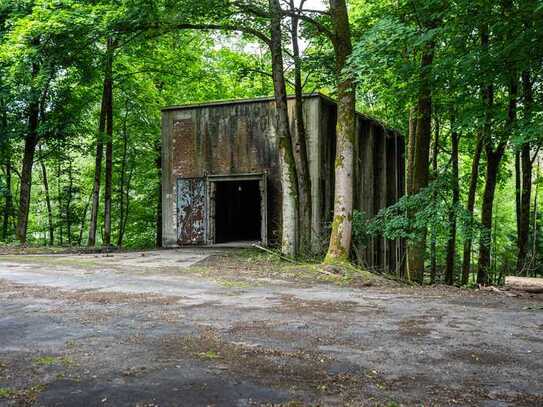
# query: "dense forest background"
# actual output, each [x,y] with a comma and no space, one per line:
[82,84]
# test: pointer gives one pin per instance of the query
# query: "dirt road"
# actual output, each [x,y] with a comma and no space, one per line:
[161,329]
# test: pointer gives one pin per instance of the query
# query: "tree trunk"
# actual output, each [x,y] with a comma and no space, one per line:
[31,141]
[492,166]
[45,181]
[98,162]
[411,150]
[83,220]
[158,163]
[300,147]
[451,242]
[69,203]
[109,144]
[59,203]
[289,182]
[122,180]
[8,204]
[433,243]
[126,209]
[470,206]
[518,193]
[423,135]
[526,185]
[535,254]
[341,235]
[493,163]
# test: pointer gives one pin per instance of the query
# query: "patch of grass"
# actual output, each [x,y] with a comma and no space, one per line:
[6,393]
[234,283]
[49,361]
[209,355]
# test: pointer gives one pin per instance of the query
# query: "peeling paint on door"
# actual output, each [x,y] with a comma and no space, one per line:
[191,211]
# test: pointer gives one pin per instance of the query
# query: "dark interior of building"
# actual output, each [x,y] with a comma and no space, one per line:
[237,211]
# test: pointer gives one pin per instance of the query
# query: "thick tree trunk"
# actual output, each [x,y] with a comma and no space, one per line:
[451,242]
[289,183]
[31,141]
[109,145]
[526,183]
[300,147]
[492,166]
[98,162]
[417,247]
[50,223]
[470,206]
[341,235]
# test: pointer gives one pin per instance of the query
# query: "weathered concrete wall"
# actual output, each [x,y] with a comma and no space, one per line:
[227,139]
[239,138]
[379,181]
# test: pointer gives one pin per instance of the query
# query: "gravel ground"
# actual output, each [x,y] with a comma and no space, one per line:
[177,328]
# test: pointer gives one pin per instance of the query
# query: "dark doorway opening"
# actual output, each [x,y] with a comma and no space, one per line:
[237,211]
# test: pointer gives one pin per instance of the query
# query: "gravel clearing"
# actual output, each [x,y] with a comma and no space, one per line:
[179,328]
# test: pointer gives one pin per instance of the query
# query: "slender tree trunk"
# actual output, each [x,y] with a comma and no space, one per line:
[158,163]
[417,247]
[411,150]
[451,242]
[433,243]
[60,205]
[493,164]
[83,221]
[126,209]
[289,181]
[300,145]
[69,203]
[123,176]
[535,255]
[523,223]
[31,141]
[409,175]
[341,235]
[45,181]
[518,193]
[470,206]
[109,145]
[7,202]
[98,161]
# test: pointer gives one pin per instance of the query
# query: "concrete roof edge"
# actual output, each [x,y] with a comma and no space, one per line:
[237,101]
[227,102]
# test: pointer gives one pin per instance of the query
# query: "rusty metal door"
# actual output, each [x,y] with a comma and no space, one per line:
[191,211]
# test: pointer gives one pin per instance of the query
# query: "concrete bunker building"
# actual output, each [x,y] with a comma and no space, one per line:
[221,177]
